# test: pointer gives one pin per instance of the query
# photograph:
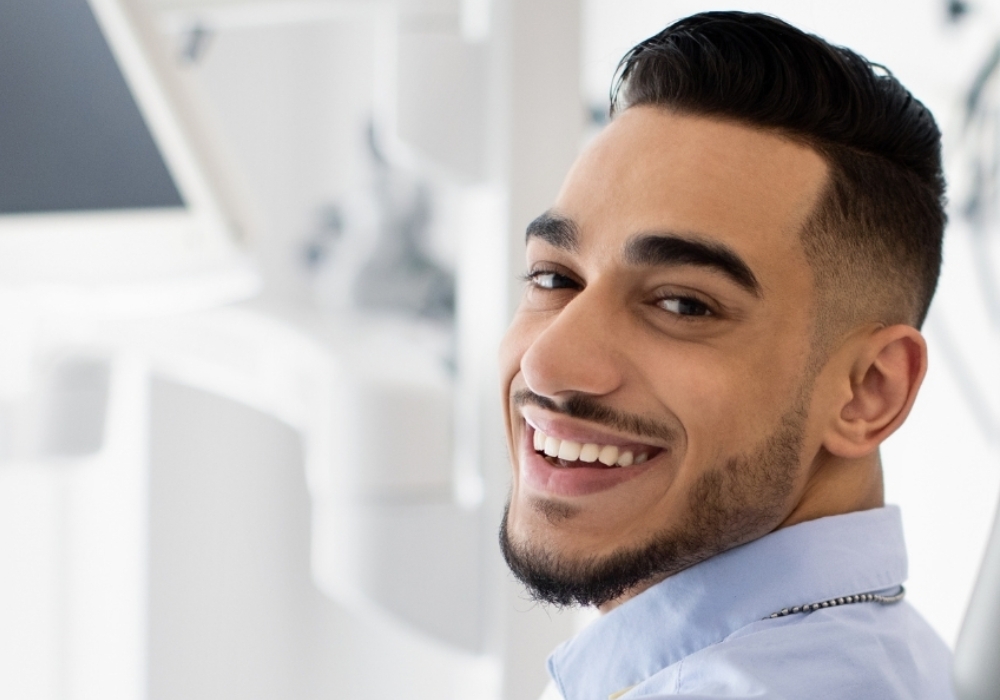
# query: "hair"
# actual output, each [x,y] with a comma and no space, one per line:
[874,238]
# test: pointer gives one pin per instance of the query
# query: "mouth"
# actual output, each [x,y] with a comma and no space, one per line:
[572,454]
[568,468]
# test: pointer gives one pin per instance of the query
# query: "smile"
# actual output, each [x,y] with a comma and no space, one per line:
[567,453]
[568,468]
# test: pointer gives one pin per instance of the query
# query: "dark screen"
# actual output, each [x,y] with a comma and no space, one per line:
[71,135]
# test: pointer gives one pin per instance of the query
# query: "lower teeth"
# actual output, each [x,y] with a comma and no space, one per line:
[555,461]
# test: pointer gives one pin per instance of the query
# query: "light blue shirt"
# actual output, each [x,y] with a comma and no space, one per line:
[702,633]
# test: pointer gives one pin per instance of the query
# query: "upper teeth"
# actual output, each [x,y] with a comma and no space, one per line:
[608,455]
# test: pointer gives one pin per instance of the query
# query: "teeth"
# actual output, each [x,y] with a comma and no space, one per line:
[608,455]
[569,450]
[552,446]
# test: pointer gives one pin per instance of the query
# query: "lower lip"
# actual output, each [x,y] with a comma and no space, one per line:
[541,475]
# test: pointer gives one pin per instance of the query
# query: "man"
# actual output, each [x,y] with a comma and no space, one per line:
[719,328]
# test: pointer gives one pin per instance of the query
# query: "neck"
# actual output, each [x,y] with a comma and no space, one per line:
[838,485]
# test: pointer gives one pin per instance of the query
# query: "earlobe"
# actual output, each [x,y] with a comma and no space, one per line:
[885,375]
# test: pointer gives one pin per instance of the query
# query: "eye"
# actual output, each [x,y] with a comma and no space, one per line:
[685,306]
[546,279]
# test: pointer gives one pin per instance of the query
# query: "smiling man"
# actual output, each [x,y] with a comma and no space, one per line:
[719,329]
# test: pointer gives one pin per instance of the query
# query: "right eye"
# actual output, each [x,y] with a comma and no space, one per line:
[547,279]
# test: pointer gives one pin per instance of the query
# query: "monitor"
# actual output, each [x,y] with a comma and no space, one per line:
[112,199]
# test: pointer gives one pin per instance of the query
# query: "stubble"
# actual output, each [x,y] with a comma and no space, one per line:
[733,503]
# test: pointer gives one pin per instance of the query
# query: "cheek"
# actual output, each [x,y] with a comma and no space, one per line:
[515,341]
[690,381]
[724,402]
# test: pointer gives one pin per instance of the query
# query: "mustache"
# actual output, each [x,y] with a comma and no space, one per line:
[586,408]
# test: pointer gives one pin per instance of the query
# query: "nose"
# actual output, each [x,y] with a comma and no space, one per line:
[578,351]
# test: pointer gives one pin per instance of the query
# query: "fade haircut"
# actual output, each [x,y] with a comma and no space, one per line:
[873,241]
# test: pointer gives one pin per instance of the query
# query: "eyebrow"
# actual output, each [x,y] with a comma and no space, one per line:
[654,249]
[557,231]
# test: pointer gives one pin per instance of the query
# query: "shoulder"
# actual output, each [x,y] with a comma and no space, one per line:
[860,652]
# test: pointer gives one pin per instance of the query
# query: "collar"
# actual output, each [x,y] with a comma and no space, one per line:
[813,561]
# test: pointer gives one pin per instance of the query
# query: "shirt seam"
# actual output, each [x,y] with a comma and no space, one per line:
[680,673]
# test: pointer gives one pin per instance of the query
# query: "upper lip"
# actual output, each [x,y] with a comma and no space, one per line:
[565,428]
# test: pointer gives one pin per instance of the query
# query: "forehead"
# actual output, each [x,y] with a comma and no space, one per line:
[654,170]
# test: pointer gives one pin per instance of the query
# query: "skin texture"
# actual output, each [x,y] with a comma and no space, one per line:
[754,427]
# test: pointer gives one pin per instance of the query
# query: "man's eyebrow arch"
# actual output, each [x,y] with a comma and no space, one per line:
[557,231]
[669,248]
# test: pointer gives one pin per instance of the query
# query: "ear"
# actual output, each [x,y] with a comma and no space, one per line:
[887,369]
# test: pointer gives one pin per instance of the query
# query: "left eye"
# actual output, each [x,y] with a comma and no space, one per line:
[684,306]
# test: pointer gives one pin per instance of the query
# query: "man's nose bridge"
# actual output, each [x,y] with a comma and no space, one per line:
[592,313]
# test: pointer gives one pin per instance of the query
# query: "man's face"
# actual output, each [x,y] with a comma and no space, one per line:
[666,328]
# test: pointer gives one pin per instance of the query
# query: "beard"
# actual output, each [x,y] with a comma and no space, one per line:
[738,501]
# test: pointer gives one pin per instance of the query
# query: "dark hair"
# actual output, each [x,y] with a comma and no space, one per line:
[874,240]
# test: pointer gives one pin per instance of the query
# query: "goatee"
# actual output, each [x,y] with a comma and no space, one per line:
[729,505]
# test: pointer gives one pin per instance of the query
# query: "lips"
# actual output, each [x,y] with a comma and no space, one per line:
[566,467]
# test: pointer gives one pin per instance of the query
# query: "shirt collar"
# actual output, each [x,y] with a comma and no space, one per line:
[806,563]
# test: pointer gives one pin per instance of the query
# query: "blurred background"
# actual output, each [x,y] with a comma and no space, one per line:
[255,260]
